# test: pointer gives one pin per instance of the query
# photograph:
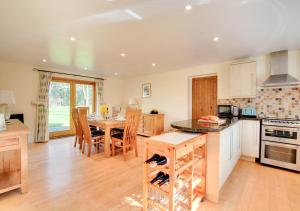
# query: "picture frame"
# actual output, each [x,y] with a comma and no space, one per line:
[146,90]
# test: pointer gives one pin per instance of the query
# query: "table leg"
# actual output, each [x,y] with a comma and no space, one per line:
[107,142]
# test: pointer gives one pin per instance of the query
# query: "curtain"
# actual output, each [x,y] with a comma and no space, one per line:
[99,94]
[41,130]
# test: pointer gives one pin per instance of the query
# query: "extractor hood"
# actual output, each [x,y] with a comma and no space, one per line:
[279,71]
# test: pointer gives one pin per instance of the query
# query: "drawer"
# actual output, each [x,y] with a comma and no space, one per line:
[9,143]
[200,141]
[185,149]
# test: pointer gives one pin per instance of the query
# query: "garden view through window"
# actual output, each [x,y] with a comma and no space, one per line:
[63,96]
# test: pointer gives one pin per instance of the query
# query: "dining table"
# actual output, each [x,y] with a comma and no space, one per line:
[107,125]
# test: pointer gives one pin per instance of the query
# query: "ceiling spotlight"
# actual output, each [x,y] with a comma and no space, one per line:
[116,74]
[216,39]
[44,60]
[123,54]
[153,64]
[244,2]
[188,7]
[72,38]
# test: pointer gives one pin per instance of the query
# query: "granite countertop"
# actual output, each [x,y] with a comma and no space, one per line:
[192,125]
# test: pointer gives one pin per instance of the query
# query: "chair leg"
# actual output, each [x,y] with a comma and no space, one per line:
[124,152]
[83,147]
[90,150]
[113,148]
[80,143]
[75,141]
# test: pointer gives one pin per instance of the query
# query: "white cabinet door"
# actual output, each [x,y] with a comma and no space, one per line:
[236,145]
[225,155]
[223,84]
[250,138]
[243,80]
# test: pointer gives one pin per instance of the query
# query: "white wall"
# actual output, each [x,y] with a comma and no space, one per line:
[23,81]
[169,90]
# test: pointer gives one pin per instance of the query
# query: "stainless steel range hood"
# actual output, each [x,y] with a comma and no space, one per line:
[279,71]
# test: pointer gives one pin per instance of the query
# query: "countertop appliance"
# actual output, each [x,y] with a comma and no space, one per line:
[227,110]
[280,144]
[248,112]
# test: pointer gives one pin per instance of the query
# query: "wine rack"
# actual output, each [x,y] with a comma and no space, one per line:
[186,167]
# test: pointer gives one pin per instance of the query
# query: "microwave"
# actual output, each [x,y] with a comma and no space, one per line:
[227,110]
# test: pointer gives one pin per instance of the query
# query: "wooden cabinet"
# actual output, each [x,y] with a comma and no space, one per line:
[13,157]
[151,124]
[243,80]
[250,138]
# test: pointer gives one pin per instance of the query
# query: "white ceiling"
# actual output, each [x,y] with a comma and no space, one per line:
[168,35]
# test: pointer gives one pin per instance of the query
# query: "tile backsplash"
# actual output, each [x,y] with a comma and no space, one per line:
[281,102]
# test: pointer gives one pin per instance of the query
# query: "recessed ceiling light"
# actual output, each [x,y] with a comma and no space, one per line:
[44,60]
[72,38]
[216,39]
[85,68]
[123,54]
[244,2]
[188,7]
[153,64]
[116,74]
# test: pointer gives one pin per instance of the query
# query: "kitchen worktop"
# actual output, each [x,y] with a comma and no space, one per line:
[193,126]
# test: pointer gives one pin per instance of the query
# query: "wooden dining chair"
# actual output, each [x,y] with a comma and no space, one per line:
[89,138]
[78,128]
[127,139]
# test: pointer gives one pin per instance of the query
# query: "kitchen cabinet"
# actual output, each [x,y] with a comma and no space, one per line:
[243,80]
[250,138]
[223,84]
[151,124]
[230,150]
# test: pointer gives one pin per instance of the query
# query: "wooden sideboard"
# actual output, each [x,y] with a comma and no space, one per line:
[14,157]
[151,124]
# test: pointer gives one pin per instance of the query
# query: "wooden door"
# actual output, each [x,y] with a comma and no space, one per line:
[204,96]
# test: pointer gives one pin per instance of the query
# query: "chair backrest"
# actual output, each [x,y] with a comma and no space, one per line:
[131,124]
[85,125]
[76,122]
[84,108]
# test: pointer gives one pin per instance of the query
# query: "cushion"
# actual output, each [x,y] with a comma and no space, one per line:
[118,130]
[97,133]
[118,136]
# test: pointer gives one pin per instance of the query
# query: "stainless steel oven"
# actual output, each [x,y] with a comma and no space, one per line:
[287,135]
[281,155]
[280,144]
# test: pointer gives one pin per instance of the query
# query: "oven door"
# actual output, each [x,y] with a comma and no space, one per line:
[281,134]
[281,155]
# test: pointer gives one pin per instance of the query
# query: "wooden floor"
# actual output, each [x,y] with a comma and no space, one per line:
[61,178]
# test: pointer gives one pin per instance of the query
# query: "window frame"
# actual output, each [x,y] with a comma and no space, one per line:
[72,83]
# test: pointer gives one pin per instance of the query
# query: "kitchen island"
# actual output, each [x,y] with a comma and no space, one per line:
[226,144]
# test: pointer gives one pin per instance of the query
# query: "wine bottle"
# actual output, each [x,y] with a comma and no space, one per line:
[164,180]
[154,158]
[160,175]
[161,161]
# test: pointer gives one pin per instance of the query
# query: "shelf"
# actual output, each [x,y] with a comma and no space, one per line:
[187,178]
[158,205]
